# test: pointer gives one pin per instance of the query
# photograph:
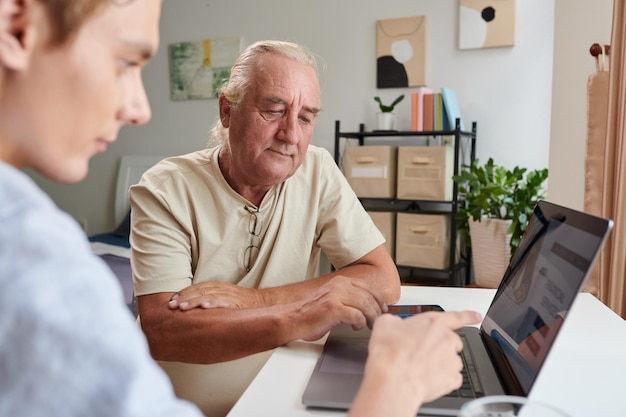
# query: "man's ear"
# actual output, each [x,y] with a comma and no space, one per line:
[16,31]
[225,109]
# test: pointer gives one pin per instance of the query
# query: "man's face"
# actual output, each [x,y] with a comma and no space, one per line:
[72,100]
[270,130]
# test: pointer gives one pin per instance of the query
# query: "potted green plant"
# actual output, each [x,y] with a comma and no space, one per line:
[386,117]
[496,205]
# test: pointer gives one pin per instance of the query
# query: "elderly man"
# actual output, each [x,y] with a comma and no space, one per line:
[237,230]
[242,225]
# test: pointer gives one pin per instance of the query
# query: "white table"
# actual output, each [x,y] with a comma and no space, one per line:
[585,374]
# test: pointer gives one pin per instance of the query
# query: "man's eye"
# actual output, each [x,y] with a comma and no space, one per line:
[272,114]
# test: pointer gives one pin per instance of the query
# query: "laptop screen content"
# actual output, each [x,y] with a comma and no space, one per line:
[544,276]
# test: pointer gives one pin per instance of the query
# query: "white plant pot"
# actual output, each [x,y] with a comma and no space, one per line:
[386,121]
[490,250]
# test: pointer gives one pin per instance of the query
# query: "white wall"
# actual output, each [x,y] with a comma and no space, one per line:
[578,25]
[506,90]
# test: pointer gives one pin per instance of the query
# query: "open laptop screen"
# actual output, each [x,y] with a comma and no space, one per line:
[539,287]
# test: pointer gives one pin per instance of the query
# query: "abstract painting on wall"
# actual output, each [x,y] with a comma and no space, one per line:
[486,23]
[198,69]
[401,52]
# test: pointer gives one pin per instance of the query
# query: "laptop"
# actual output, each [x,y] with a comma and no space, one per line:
[504,355]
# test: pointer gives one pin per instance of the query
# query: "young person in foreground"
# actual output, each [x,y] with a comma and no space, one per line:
[70,78]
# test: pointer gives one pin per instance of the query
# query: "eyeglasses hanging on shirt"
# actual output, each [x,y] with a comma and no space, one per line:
[254,228]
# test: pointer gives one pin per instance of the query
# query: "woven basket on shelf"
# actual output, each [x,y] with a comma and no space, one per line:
[490,250]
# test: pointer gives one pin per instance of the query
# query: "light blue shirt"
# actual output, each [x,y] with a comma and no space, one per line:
[69,346]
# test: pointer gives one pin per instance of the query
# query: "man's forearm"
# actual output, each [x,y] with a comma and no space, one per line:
[376,268]
[214,335]
[209,335]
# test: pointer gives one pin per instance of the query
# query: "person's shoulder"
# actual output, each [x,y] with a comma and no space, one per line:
[171,168]
[318,166]
[316,155]
[18,191]
[317,152]
[32,223]
[13,179]
[186,162]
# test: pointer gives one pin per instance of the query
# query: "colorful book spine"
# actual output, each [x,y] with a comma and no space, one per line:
[428,119]
[437,112]
[417,107]
[452,110]
[414,112]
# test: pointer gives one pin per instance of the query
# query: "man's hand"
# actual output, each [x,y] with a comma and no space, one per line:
[211,294]
[341,300]
[411,361]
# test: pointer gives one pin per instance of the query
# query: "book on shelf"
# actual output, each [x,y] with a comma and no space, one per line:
[451,110]
[417,108]
[428,119]
[437,112]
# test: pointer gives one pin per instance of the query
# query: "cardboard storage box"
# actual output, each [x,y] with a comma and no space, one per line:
[386,223]
[425,172]
[371,170]
[423,240]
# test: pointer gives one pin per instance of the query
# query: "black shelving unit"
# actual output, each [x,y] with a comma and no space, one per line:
[458,272]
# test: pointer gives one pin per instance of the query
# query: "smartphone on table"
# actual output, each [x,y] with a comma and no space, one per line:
[407,310]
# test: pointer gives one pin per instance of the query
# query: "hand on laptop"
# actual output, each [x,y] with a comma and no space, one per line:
[411,361]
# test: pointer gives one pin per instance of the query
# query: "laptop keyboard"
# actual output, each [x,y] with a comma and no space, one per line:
[471,387]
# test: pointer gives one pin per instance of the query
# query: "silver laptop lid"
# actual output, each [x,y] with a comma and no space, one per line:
[544,276]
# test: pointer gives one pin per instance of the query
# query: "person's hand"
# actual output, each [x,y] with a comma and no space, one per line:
[211,294]
[342,300]
[411,361]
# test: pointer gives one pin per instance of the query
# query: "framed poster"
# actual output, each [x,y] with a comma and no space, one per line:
[401,52]
[198,69]
[486,23]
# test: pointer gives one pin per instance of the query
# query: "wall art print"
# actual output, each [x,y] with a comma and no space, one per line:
[198,69]
[486,23]
[401,52]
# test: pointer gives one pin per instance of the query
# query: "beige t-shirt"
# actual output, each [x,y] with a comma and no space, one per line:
[189,225]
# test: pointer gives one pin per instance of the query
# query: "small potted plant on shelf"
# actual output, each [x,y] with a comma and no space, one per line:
[496,204]
[386,117]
